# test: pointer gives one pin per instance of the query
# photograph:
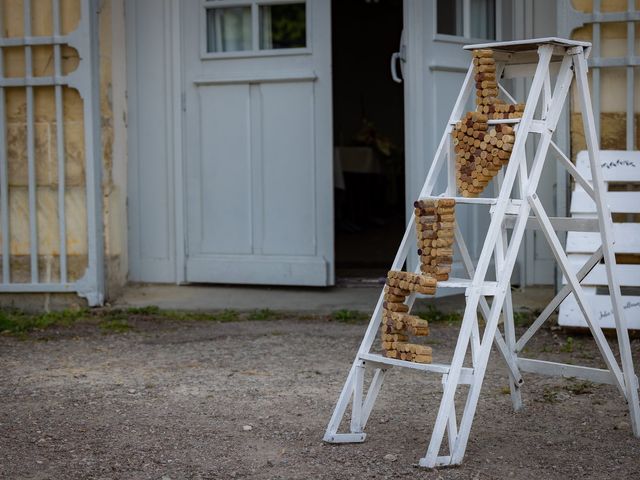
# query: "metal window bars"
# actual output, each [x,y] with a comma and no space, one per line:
[570,19]
[84,79]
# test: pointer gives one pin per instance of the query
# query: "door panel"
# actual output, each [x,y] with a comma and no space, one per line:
[258,143]
[224,172]
[288,169]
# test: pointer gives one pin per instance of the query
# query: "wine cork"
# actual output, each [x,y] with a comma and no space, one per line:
[482,53]
[394,298]
[421,358]
[440,210]
[444,260]
[396,291]
[481,77]
[486,68]
[395,307]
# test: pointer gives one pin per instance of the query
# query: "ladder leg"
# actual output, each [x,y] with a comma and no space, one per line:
[452,424]
[515,381]
[510,337]
[509,326]
[497,305]
[478,376]
[606,229]
[331,434]
[356,409]
[372,394]
[451,384]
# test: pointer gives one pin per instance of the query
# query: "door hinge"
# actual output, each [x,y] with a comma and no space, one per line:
[183,101]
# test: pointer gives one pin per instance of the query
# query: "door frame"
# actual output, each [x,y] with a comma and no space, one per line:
[178,107]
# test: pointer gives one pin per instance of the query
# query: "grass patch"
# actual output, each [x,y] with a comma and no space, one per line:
[188,316]
[568,346]
[550,396]
[149,310]
[580,388]
[433,315]
[263,314]
[118,320]
[348,316]
[227,316]
[17,322]
[115,326]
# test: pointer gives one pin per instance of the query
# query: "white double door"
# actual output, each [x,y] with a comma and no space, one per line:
[258,131]
[258,142]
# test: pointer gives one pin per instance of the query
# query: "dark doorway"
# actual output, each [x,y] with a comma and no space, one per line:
[368,119]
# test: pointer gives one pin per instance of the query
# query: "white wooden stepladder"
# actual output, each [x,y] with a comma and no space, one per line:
[544,58]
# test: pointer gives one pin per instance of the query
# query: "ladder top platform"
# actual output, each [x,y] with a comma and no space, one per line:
[528,45]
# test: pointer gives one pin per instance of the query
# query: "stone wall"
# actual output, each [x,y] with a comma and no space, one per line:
[613,81]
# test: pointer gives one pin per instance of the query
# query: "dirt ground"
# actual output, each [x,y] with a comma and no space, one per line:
[251,399]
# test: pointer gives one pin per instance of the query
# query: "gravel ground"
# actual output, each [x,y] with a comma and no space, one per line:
[251,399]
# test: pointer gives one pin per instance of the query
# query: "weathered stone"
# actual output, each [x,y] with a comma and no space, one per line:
[613,132]
[48,226]
[48,268]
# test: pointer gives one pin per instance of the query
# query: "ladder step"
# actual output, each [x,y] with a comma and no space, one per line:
[498,121]
[476,200]
[465,377]
[488,288]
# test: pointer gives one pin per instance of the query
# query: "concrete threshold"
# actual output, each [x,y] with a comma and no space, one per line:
[318,300]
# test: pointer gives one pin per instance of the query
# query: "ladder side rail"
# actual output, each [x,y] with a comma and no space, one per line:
[545,52]
[606,228]
[372,394]
[518,158]
[509,325]
[573,171]
[503,284]
[452,424]
[561,257]
[367,340]
[546,98]
[356,409]
[563,293]
[453,380]
[490,329]
[563,83]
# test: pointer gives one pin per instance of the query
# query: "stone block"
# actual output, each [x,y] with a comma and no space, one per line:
[47,224]
[48,268]
[613,132]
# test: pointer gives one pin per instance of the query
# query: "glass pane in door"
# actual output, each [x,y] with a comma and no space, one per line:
[483,19]
[283,26]
[228,29]
[449,15]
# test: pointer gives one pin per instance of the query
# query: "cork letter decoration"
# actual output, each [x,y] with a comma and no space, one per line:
[482,149]
[434,221]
